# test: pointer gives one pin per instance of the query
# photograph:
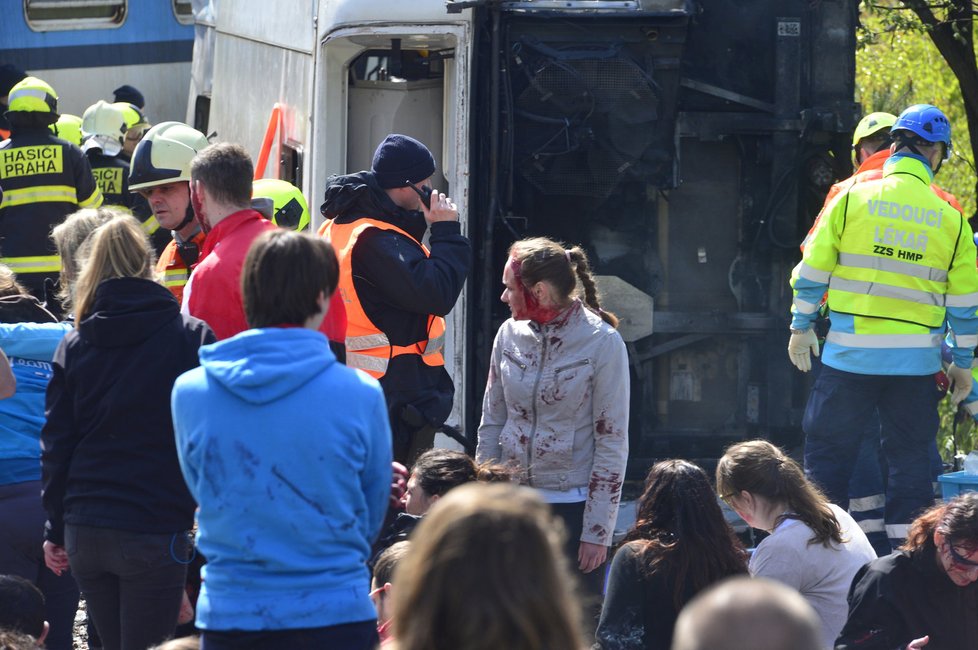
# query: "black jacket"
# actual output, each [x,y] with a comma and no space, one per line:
[112,175]
[44,179]
[108,453]
[905,596]
[399,287]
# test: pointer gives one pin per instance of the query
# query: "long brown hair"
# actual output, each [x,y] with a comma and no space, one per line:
[957,520]
[119,249]
[762,469]
[485,571]
[682,530]
[544,260]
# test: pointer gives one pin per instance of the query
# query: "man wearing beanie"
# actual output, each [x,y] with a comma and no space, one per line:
[396,290]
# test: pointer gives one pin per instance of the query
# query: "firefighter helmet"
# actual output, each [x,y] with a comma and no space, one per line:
[104,127]
[164,155]
[32,95]
[289,205]
[68,127]
[871,125]
[135,118]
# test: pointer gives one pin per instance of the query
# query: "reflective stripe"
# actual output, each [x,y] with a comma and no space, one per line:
[151,225]
[962,300]
[887,291]
[435,345]
[39,194]
[893,266]
[175,277]
[966,341]
[813,274]
[28,92]
[366,362]
[805,307]
[971,407]
[37,264]
[863,504]
[872,526]
[93,201]
[897,531]
[367,342]
[884,340]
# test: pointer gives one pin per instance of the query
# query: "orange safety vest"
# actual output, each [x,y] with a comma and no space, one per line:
[368,348]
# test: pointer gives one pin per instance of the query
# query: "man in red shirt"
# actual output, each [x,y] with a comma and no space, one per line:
[220,190]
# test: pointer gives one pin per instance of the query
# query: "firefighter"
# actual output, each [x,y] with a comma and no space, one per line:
[44,180]
[160,172]
[899,266]
[395,289]
[104,129]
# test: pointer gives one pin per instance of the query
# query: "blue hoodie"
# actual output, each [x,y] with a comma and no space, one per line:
[288,454]
[30,347]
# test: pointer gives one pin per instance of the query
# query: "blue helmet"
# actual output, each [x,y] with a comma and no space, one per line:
[927,122]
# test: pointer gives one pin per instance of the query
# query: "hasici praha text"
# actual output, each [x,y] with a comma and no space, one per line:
[27,161]
[899,241]
[109,179]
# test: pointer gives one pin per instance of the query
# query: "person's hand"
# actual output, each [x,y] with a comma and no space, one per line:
[591,556]
[55,557]
[801,346]
[916,644]
[960,383]
[399,478]
[442,209]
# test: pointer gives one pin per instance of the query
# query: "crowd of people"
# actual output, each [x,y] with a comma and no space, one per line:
[212,418]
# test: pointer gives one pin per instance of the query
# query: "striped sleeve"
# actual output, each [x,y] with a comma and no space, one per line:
[810,278]
[961,299]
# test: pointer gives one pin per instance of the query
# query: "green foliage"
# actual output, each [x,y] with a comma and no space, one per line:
[951,438]
[897,65]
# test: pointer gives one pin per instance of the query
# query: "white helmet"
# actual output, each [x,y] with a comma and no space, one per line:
[104,127]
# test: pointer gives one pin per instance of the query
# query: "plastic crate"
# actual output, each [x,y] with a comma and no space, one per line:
[955,483]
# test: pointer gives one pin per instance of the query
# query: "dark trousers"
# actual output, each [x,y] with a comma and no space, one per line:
[591,584]
[841,408]
[21,538]
[350,636]
[133,582]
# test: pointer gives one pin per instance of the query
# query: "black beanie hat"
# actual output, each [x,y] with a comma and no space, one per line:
[401,160]
[10,76]
[131,95]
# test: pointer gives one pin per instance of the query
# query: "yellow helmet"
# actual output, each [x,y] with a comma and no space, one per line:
[164,155]
[104,127]
[68,127]
[135,118]
[289,205]
[32,95]
[871,125]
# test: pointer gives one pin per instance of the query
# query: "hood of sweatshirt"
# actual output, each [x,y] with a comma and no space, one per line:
[127,311]
[354,196]
[263,365]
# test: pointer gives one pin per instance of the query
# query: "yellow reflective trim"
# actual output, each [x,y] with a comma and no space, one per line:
[151,225]
[39,194]
[37,264]
[93,201]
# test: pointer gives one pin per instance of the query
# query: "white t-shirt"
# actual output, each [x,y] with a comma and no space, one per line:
[821,574]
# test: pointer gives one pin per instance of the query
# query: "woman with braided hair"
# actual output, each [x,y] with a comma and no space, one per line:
[556,401]
[813,546]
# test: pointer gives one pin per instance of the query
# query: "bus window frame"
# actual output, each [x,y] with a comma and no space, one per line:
[183,19]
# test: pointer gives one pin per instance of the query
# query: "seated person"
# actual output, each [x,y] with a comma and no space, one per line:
[22,609]
[381,589]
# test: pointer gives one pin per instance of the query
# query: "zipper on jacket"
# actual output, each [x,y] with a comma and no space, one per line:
[576,364]
[533,429]
[512,357]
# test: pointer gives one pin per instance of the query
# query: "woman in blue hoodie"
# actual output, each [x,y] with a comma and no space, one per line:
[288,455]
[118,509]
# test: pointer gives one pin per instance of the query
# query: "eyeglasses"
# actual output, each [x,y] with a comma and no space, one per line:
[961,561]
